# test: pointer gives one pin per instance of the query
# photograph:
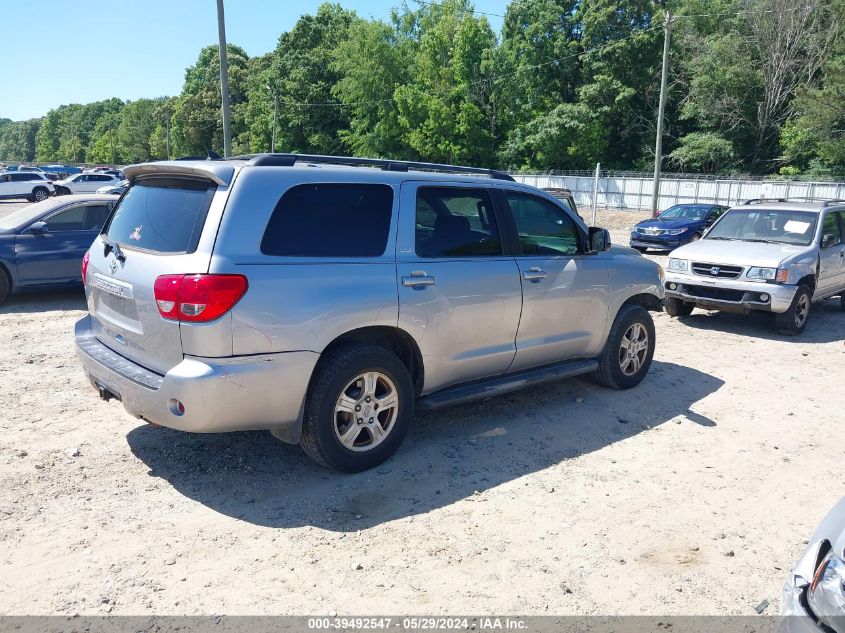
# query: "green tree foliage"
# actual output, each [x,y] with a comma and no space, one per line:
[303,73]
[197,122]
[755,85]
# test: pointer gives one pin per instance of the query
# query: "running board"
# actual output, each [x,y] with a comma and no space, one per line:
[505,383]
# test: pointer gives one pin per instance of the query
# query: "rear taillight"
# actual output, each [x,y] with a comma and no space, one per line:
[85,258]
[198,298]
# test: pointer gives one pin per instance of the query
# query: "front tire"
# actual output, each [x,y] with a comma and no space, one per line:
[62,191]
[5,285]
[678,308]
[694,238]
[794,320]
[358,409]
[629,349]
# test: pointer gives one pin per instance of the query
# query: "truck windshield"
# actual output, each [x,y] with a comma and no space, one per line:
[766,225]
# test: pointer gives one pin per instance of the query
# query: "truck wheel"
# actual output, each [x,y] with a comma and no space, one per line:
[627,354]
[678,308]
[794,320]
[358,408]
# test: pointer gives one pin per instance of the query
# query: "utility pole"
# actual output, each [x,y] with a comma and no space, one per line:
[658,144]
[275,108]
[167,126]
[224,81]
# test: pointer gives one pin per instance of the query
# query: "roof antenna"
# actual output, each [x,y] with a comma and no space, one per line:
[212,155]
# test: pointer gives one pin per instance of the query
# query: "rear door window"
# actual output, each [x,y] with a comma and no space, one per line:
[456,222]
[330,220]
[162,214]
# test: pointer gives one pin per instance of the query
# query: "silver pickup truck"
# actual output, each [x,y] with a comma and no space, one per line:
[324,298]
[772,256]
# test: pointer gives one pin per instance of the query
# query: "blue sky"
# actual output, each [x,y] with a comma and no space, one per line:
[59,52]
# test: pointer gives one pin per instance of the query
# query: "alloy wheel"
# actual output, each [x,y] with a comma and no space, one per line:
[366,411]
[633,349]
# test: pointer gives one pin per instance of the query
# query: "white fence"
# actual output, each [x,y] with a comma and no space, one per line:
[635,193]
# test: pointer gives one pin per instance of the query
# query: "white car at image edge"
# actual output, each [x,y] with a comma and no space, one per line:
[84,183]
[33,186]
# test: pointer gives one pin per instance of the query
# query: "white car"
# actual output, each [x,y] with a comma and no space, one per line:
[84,183]
[771,256]
[33,186]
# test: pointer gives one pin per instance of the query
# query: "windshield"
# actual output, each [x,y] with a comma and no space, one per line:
[686,212]
[766,225]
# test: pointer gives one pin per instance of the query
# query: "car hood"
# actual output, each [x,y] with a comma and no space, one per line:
[673,223]
[737,252]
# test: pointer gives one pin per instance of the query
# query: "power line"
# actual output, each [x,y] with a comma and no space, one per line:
[439,4]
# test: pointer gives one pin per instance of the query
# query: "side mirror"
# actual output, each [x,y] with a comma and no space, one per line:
[828,240]
[38,228]
[599,239]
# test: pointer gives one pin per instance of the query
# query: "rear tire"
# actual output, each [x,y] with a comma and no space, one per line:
[678,308]
[348,383]
[794,320]
[629,349]
[39,194]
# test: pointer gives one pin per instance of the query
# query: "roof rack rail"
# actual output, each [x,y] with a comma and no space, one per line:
[288,160]
[826,202]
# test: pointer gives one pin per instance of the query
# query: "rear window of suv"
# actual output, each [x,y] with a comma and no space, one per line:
[165,215]
[330,220]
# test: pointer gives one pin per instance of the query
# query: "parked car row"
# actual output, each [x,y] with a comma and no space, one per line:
[35,185]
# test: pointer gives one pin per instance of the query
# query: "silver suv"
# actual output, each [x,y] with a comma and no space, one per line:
[774,256]
[325,298]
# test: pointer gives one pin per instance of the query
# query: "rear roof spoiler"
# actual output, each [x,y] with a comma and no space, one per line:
[220,174]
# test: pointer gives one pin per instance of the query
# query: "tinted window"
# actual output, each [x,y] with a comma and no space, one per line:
[162,214]
[25,177]
[101,178]
[454,222]
[544,228]
[831,234]
[330,220]
[70,220]
[686,212]
[95,217]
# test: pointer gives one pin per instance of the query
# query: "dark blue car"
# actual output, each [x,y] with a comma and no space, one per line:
[676,226]
[42,244]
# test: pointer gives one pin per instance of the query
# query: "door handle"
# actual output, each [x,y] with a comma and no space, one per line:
[418,279]
[534,274]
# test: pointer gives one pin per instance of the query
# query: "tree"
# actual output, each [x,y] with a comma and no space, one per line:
[197,124]
[447,110]
[303,76]
[702,151]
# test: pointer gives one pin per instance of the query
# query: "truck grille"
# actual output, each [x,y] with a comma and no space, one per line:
[716,271]
[711,292]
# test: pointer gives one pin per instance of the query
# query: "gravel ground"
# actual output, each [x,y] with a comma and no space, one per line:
[691,494]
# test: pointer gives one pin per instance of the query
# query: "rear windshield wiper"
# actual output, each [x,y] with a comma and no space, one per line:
[110,246]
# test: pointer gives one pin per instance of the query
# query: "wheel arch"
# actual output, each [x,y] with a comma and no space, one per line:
[809,281]
[644,299]
[394,340]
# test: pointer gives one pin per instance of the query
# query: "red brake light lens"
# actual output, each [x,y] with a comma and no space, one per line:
[198,298]
[85,258]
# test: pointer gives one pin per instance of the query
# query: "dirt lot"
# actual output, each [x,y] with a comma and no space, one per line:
[691,494]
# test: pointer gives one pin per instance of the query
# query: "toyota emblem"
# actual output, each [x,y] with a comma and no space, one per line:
[113,266]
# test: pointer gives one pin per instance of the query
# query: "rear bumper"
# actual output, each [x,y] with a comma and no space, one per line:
[218,394]
[729,294]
